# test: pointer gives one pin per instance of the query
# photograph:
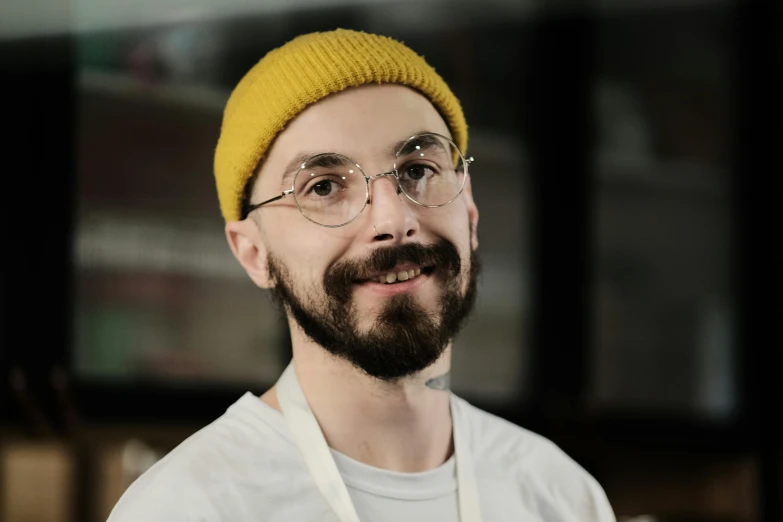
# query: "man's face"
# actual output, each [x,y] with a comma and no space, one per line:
[328,278]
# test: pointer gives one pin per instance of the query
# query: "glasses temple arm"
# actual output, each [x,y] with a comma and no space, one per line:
[285,193]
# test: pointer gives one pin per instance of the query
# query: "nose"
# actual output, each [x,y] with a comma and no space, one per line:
[392,217]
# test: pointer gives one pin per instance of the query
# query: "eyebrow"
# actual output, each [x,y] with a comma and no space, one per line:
[295,164]
[427,143]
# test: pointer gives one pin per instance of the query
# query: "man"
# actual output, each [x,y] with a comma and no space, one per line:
[342,178]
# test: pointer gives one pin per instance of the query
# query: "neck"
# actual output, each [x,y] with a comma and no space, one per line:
[402,426]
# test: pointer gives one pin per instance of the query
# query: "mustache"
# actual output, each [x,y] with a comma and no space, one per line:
[442,255]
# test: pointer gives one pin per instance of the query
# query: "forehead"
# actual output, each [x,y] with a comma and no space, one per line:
[363,123]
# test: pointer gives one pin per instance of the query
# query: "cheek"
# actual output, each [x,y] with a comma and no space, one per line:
[306,249]
[457,230]
[452,223]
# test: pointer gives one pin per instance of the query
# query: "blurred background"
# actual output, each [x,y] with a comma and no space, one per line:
[628,177]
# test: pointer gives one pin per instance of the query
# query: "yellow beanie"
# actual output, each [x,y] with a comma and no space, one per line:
[300,73]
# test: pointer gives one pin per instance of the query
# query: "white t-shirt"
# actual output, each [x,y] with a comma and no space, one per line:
[246,467]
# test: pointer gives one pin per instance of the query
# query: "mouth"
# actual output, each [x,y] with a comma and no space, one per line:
[399,274]
[400,280]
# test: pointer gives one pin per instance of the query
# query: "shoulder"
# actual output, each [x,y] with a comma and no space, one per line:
[506,452]
[196,480]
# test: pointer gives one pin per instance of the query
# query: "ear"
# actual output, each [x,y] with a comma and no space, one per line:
[246,242]
[473,214]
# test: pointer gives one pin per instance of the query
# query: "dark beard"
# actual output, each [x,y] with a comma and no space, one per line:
[405,338]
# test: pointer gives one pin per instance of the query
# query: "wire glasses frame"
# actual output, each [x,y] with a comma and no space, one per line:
[394,173]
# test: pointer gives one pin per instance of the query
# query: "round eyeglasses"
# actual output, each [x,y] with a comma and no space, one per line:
[331,190]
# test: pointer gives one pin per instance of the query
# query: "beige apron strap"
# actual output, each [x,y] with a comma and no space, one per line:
[318,458]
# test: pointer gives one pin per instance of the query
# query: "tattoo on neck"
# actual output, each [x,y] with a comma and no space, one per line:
[442,382]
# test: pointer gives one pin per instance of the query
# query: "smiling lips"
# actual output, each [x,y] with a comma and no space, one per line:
[393,277]
[400,273]
[403,278]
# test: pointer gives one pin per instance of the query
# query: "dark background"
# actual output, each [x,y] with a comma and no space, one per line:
[628,175]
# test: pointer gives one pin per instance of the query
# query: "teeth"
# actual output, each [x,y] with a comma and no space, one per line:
[393,277]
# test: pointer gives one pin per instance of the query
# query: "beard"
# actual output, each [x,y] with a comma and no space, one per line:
[405,337]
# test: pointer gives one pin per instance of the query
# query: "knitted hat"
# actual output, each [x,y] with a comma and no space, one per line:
[300,73]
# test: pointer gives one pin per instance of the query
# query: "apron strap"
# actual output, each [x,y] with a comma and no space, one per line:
[311,443]
[467,489]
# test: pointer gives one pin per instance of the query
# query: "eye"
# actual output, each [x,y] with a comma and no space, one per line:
[418,171]
[323,187]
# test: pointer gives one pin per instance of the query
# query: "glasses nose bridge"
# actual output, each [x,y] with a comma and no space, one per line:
[391,174]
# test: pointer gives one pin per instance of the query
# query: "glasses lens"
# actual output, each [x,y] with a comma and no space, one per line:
[431,169]
[330,189]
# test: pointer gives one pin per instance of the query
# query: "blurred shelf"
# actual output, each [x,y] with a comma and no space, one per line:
[117,243]
[623,6]
[39,18]
[157,402]
[614,170]
[124,86]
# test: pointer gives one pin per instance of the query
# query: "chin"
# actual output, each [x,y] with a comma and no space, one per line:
[370,309]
